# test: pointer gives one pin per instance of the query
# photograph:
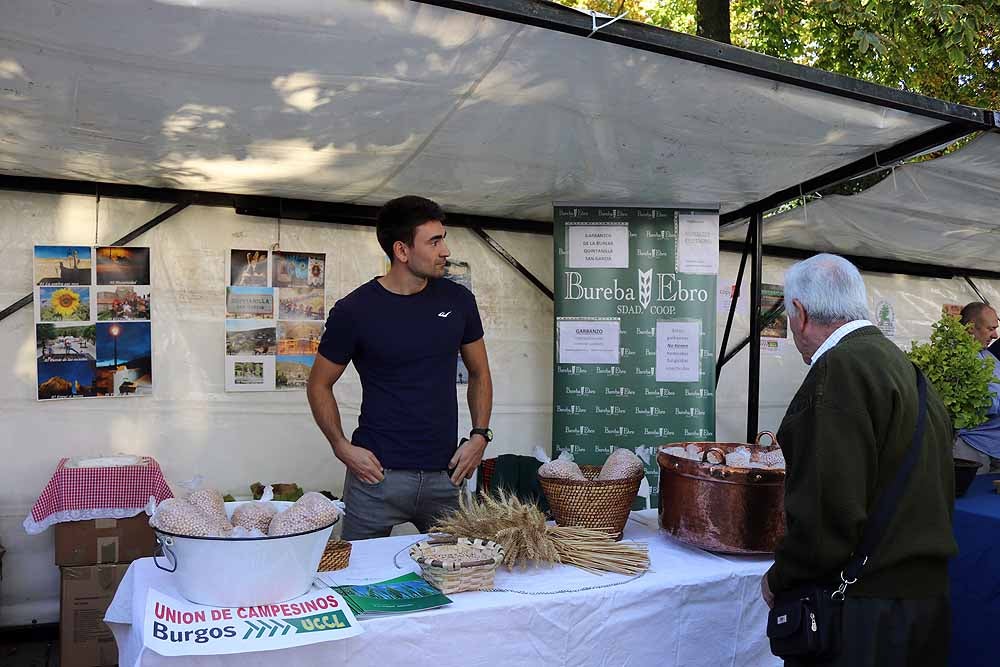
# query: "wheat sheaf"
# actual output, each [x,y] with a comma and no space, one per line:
[520,528]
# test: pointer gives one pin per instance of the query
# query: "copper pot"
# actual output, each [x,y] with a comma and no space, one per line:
[722,508]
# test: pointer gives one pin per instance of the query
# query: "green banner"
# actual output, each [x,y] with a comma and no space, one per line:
[635,292]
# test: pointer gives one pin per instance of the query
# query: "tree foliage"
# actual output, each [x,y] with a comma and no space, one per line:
[942,49]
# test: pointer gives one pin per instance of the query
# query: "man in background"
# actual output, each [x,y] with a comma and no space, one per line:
[982,443]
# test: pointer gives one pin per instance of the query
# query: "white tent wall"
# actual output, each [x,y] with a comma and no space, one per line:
[190,425]
[917,304]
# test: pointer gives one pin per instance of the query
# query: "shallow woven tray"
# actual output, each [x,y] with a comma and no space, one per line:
[453,564]
[599,504]
[336,556]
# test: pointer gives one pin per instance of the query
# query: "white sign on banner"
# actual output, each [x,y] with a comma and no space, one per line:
[597,246]
[698,243]
[678,351]
[175,627]
[588,341]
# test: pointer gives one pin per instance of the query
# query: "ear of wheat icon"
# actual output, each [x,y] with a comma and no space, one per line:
[645,287]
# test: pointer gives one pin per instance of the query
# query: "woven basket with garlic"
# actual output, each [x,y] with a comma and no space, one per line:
[591,496]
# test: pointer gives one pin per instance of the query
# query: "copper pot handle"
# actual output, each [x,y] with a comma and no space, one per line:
[774,440]
[721,455]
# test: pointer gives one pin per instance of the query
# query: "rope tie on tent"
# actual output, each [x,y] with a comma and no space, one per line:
[277,245]
[97,211]
[593,22]
[805,209]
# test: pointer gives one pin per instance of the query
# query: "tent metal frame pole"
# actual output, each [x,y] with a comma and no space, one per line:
[939,136]
[734,298]
[643,37]
[753,376]
[510,259]
[873,264]
[131,236]
[307,210]
[976,290]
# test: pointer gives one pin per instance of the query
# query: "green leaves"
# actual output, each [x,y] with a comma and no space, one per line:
[952,365]
[947,50]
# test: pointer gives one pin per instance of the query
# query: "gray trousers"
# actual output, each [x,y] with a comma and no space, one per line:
[892,633]
[963,450]
[417,496]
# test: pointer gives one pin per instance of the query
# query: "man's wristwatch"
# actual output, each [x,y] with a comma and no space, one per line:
[487,433]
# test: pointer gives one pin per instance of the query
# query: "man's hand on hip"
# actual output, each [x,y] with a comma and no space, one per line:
[361,462]
[466,459]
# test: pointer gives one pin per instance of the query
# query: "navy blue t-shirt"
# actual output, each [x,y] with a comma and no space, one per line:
[405,348]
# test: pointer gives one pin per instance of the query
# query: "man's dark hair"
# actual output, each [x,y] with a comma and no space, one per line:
[973,310]
[397,220]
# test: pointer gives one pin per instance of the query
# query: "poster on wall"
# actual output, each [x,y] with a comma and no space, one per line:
[774,336]
[634,335]
[93,321]
[275,312]
[885,318]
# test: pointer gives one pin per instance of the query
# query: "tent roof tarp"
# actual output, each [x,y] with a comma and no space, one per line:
[942,211]
[357,102]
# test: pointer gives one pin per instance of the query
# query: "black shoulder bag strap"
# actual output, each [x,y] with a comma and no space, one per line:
[887,501]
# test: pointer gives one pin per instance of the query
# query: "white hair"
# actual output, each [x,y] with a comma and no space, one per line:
[829,288]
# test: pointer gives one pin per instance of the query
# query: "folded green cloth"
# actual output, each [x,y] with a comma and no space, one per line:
[518,474]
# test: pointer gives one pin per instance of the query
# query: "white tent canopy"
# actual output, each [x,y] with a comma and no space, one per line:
[942,211]
[357,102]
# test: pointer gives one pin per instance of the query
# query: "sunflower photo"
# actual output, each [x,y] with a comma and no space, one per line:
[61,304]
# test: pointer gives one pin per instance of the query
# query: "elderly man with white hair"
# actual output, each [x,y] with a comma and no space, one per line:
[845,437]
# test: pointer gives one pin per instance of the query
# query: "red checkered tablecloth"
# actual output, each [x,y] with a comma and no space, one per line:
[116,492]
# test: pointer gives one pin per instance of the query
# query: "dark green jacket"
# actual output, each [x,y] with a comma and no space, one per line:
[844,437]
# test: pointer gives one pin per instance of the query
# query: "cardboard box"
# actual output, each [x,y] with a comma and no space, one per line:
[101,541]
[86,593]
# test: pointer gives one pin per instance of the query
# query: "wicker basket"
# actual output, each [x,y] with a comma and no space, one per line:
[336,556]
[453,564]
[601,504]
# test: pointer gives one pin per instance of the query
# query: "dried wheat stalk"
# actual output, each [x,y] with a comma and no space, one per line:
[521,529]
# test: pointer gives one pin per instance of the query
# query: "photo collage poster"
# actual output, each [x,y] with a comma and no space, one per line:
[275,312]
[93,317]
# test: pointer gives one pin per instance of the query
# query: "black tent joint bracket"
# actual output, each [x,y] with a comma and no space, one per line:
[510,259]
[131,236]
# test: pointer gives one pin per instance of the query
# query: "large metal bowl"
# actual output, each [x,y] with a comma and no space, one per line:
[721,508]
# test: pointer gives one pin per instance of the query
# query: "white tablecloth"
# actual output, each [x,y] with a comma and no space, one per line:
[692,608]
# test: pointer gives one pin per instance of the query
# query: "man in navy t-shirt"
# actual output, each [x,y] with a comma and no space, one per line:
[403,331]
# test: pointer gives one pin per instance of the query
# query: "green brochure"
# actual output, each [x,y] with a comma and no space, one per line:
[393,596]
